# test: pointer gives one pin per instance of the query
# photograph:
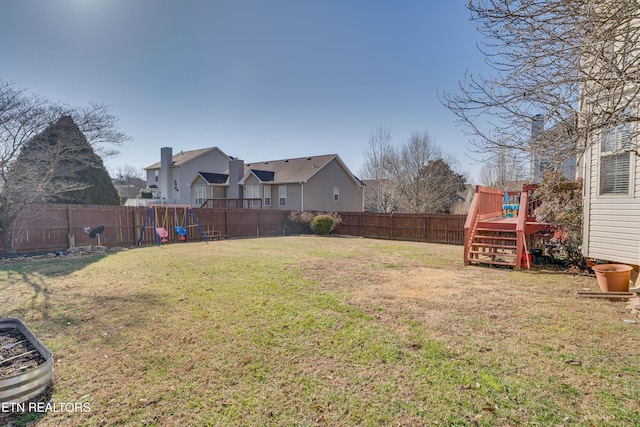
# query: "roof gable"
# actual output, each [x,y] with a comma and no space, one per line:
[293,170]
[183,157]
[288,170]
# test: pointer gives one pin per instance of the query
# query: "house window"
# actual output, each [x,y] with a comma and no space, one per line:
[156,174]
[267,195]
[200,192]
[252,192]
[282,194]
[545,166]
[615,159]
[336,194]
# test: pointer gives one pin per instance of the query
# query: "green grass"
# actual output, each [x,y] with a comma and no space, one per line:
[303,331]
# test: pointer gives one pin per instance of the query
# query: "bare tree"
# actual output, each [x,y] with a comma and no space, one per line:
[504,169]
[45,169]
[410,177]
[575,63]
[407,168]
[129,180]
[380,194]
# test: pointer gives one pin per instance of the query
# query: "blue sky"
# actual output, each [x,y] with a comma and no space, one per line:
[260,79]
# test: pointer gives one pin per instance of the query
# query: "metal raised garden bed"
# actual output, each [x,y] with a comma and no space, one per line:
[26,365]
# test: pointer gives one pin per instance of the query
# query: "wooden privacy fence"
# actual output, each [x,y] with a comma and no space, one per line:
[414,227]
[57,226]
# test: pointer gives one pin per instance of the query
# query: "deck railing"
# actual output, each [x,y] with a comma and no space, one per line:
[232,204]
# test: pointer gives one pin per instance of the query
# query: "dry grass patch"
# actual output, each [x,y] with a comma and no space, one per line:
[323,331]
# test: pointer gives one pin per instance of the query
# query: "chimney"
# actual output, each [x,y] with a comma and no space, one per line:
[236,172]
[165,185]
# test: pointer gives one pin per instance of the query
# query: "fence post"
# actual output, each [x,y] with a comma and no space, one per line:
[392,226]
[426,228]
[71,237]
[136,224]
[226,224]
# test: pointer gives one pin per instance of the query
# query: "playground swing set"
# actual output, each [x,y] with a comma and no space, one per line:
[157,218]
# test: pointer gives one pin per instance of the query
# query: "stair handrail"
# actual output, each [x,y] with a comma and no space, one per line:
[487,202]
[521,225]
[469,225]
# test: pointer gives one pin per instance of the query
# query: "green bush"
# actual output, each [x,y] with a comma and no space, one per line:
[322,224]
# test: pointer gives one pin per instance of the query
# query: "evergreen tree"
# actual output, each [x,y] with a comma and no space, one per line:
[63,151]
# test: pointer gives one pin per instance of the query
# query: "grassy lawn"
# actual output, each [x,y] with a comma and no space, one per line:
[304,331]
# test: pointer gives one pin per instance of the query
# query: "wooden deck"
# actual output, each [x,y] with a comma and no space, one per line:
[492,238]
[510,223]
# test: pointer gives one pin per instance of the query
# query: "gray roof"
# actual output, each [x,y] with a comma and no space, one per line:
[264,176]
[183,157]
[291,170]
[214,178]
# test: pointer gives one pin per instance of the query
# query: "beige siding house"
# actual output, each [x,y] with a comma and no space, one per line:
[318,183]
[170,178]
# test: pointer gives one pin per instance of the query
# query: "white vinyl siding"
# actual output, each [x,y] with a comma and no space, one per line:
[612,222]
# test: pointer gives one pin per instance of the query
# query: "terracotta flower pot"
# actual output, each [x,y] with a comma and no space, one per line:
[613,277]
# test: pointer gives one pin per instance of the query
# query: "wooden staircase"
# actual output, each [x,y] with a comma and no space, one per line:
[490,238]
[494,246]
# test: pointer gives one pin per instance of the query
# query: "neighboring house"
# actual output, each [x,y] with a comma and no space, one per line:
[542,162]
[462,201]
[318,183]
[169,178]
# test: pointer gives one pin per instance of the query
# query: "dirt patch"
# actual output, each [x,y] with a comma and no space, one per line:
[17,354]
[418,283]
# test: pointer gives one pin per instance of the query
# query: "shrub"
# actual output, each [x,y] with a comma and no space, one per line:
[146,194]
[299,222]
[322,224]
[337,220]
[562,208]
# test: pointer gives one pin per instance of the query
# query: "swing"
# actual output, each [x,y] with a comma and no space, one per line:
[162,231]
[160,228]
[179,229]
[181,232]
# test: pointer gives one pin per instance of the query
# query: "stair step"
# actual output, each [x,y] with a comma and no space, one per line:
[475,261]
[489,245]
[508,239]
[496,230]
[492,254]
